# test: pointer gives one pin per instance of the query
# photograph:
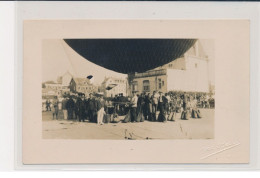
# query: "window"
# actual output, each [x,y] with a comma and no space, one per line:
[160,83]
[134,86]
[196,65]
[146,85]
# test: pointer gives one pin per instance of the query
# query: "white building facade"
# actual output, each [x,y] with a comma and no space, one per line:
[188,73]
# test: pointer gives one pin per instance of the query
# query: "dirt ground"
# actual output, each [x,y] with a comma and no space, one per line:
[179,129]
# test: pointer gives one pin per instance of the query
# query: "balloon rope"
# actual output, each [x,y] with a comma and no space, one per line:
[69,58]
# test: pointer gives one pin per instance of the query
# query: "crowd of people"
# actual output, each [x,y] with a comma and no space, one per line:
[162,107]
[157,107]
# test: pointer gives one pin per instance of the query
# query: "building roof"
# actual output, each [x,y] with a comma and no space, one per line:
[50,82]
[60,78]
[47,90]
[113,79]
[82,81]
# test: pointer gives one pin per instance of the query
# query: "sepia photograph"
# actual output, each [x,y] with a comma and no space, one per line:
[128,89]
[122,91]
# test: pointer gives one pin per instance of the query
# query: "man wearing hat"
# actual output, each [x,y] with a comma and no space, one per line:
[81,107]
[162,100]
[70,107]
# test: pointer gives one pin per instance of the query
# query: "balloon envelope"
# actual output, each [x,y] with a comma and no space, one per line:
[130,55]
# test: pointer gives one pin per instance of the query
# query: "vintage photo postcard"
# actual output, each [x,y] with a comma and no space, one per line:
[128,89]
[136,91]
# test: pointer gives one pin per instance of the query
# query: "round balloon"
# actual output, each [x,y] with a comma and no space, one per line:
[130,55]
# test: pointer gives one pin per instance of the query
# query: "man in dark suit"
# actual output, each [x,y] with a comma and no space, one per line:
[81,108]
[185,101]
[92,108]
[162,102]
[70,107]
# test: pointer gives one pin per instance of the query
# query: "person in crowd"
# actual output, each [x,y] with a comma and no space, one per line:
[172,102]
[189,103]
[174,107]
[194,110]
[86,107]
[117,102]
[148,107]
[122,107]
[140,108]
[179,104]
[100,109]
[211,102]
[154,98]
[167,103]
[207,101]
[140,103]
[92,108]
[76,108]
[55,106]
[162,102]
[80,105]
[64,109]
[185,101]
[154,102]
[48,105]
[204,101]
[161,105]
[186,106]
[70,107]
[133,109]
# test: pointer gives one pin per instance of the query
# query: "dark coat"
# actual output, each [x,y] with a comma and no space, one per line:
[92,104]
[162,105]
[148,104]
[80,107]
[70,104]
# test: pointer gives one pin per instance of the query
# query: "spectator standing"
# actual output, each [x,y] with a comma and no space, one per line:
[92,108]
[81,108]
[55,106]
[64,109]
[133,107]
[100,109]
[48,105]
[70,107]
[154,102]
[148,107]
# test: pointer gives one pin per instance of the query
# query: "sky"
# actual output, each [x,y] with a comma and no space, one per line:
[209,49]
[58,58]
